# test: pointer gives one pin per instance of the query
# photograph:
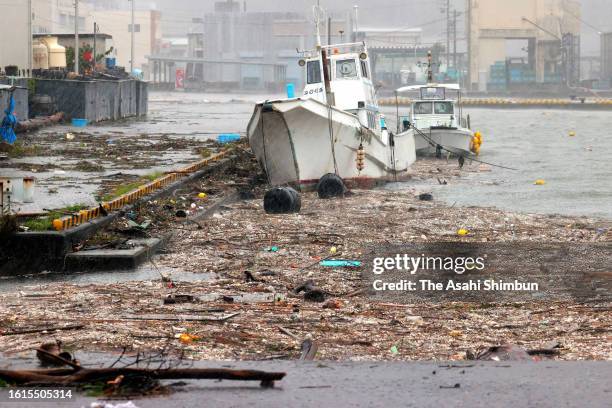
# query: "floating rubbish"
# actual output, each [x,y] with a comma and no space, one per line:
[228,137]
[425,197]
[539,182]
[572,133]
[143,226]
[394,350]
[340,263]
[187,338]
[455,333]
[272,249]
[79,122]
[69,136]
[332,304]
[333,250]
[202,195]
[181,214]
[462,232]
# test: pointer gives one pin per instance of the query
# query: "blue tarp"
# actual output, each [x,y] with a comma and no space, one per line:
[9,122]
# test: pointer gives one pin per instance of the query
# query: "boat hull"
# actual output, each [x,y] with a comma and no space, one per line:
[455,140]
[294,145]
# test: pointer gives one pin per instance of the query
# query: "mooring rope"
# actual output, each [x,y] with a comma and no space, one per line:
[434,144]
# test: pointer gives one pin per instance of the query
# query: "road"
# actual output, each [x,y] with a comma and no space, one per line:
[394,384]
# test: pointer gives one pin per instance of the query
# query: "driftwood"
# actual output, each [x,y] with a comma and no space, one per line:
[41,329]
[79,375]
[181,318]
[37,123]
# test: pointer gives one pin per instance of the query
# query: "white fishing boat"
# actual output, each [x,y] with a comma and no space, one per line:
[438,119]
[333,126]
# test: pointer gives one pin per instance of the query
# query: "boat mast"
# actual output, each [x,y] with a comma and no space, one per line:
[429,68]
[322,52]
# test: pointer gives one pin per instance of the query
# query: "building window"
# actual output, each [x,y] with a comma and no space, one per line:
[136,28]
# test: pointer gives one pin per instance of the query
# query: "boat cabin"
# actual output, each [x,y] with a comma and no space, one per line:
[349,78]
[433,108]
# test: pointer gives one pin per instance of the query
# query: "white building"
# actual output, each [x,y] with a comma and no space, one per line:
[15,42]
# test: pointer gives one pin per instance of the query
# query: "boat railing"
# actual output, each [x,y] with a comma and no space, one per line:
[360,44]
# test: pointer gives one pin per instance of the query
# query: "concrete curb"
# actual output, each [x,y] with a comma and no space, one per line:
[33,252]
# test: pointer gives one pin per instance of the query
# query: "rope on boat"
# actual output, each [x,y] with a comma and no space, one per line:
[331,137]
[263,141]
[442,147]
[392,143]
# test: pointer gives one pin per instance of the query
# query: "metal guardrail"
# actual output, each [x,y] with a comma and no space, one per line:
[64,223]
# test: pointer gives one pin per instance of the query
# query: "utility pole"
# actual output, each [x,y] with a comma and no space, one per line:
[447,34]
[30,36]
[329,21]
[132,41]
[76,36]
[468,29]
[455,39]
[94,46]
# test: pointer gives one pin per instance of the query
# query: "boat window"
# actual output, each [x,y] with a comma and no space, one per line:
[423,108]
[313,72]
[443,108]
[346,69]
[364,69]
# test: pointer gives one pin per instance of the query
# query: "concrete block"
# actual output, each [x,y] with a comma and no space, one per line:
[114,259]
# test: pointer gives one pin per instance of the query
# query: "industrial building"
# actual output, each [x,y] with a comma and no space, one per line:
[606,58]
[112,18]
[546,34]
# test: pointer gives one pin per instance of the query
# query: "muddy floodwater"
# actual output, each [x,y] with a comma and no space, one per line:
[538,144]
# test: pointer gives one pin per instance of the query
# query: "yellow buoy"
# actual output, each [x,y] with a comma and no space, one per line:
[202,195]
[462,232]
[539,182]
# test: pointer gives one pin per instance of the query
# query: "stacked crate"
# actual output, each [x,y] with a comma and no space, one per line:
[497,77]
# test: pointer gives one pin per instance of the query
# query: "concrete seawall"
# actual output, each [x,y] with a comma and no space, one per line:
[97,100]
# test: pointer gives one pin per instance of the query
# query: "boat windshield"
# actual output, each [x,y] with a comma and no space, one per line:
[423,108]
[313,72]
[346,69]
[443,108]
